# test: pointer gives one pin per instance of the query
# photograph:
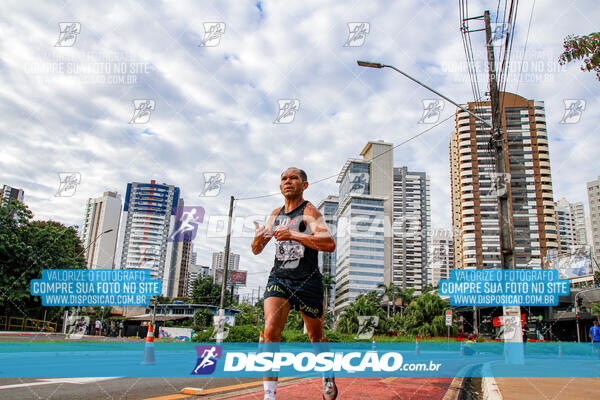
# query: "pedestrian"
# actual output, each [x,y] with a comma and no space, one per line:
[295,280]
[98,327]
[595,338]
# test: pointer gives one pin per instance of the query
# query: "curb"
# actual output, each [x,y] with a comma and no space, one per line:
[489,387]
[455,389]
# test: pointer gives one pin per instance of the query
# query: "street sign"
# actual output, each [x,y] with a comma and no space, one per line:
[449,318]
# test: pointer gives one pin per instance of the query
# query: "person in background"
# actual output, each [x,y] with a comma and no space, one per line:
[595,338]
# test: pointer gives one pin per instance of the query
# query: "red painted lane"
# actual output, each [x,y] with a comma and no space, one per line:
[363,388]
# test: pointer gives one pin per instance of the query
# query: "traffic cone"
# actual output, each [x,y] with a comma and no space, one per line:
[149,347]
[560,353]
[373,345]
[261,341]
[462,348]
[417,346]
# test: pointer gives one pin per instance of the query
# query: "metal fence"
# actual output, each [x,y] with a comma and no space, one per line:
[26,325]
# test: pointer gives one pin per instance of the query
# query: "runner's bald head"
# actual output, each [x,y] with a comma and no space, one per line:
[300,171]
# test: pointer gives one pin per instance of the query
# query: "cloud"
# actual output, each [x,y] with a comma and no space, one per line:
[215,106]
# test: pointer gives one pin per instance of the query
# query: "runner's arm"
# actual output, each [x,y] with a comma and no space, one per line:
[321,238]
[262,234]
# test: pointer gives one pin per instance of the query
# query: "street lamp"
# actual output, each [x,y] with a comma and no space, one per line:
[94,241]
[370,64]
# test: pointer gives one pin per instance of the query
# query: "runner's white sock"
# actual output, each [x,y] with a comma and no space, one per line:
[270,389]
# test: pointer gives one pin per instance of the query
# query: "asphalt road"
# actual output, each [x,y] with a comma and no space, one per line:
[104,388]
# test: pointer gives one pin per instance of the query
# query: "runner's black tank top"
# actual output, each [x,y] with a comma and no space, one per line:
[293,260]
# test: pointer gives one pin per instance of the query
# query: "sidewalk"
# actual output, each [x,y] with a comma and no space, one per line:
[361,388]
[548,388]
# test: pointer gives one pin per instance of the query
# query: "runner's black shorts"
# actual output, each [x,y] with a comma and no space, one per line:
[304,295]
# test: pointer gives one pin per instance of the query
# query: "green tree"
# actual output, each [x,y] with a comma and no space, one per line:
[596,310]
[586,48]
[365,304]
[202,319]
[389,292]
[204,291]
[425,316]
[250,315]
[294,321]
[27,247]
[405,296]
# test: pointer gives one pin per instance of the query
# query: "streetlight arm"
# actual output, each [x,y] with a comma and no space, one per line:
[378,65]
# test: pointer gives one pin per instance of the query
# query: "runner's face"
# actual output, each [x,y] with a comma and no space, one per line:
[292,184]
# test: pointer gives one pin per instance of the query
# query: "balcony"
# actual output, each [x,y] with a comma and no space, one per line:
[465,158]
[544,164]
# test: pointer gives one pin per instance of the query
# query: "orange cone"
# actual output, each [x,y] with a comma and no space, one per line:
[417,346]
[373,345]
[149,347]
[261,341]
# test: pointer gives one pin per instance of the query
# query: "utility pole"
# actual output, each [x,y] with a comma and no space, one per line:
[501,158]
[511,314]
[221,312]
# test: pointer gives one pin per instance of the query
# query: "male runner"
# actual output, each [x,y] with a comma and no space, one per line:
[295,280]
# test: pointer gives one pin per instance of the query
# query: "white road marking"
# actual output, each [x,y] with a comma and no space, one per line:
[51,381]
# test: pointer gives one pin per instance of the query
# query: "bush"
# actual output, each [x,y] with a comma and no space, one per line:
[202,319]
[238,333]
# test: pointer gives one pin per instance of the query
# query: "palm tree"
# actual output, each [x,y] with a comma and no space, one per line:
[405,296]
[328,283]
[389,292]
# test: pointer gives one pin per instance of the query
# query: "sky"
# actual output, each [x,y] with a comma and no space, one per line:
[215,74]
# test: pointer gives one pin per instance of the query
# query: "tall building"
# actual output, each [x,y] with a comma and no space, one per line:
[218,260]
[328,208]
[363,255]
[181,269]
[100,230]
[441,257]
[195,271]
[411,229]
[570,221]
[528,184]
[593,189]
[148,217]
[9,193]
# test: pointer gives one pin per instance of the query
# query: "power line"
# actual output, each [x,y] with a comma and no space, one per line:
[525,47]
[379,155]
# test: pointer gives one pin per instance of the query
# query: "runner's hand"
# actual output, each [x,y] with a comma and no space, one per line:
[282,232]
[261,232]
